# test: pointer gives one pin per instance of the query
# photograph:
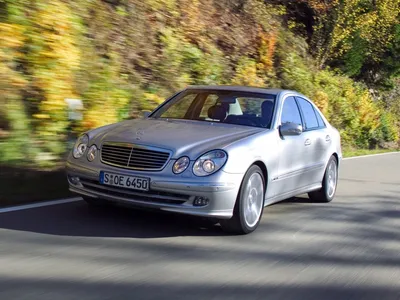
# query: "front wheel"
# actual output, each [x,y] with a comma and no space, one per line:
[329,183]
[249,204]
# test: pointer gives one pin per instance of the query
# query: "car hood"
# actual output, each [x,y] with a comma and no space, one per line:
[182,137]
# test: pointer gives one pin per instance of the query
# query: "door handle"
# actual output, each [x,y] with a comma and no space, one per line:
[307,142]
[327,138]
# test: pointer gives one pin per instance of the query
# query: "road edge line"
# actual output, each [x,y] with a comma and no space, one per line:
[370,155]
[39,204]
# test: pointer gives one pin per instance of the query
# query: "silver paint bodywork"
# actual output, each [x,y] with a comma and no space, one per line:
[293,164]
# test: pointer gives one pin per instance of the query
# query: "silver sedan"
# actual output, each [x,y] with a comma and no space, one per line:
[219,152]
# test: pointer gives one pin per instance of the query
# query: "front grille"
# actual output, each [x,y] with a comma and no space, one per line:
[136,157]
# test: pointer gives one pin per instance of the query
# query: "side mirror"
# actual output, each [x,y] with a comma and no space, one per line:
[290,129]
[145,114]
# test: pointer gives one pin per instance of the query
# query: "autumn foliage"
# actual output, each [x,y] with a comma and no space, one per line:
[121,57]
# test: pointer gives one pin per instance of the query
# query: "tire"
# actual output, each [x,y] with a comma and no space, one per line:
[329,183]
[249,204]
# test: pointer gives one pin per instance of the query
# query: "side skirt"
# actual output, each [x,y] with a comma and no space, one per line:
[293,193]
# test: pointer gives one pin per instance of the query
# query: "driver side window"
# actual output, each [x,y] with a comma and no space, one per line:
[180,109]
[290,112]
[210,101]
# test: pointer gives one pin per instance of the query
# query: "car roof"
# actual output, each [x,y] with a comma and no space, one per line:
[238,88]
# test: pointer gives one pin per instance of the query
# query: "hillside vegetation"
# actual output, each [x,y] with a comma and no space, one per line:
[124,56]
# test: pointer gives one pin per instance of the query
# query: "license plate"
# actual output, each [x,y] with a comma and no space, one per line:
[129,182]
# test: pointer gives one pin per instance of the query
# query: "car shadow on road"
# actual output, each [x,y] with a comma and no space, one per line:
[79,219]
[298,199]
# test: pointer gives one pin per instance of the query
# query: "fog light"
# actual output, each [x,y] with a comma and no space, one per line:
[200,201]
[74,180]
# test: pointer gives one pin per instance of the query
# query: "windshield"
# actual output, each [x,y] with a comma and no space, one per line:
[240,108]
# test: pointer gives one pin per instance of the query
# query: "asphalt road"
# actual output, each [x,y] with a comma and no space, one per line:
[348,249]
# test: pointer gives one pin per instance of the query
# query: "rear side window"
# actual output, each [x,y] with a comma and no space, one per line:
[310,118]
[321,122]
[290,112]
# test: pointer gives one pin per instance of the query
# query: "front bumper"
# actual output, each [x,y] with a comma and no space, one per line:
[168,192]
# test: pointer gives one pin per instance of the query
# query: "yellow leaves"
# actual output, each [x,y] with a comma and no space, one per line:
[11,82]
[192,20]
[368,112]
[11,39]
[266,50]
[149,101]
[153,98]
[322,7]
[11,36]
[104,106]
[258,72]
[105,100]
[55,35]
[52,61]
[161,4]
[365,116]
[264,13]
[41,116]
[321,100]
[246,73]
[100,115]
[372,23]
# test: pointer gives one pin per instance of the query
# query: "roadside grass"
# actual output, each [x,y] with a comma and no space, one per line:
[360,152]
[26,185]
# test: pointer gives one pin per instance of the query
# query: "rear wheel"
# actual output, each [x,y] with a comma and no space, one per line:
[249,204]
[329,183]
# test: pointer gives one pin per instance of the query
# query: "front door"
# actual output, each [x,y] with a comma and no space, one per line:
[292,150]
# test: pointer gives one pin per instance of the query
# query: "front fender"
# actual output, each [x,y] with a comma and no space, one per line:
[258,148]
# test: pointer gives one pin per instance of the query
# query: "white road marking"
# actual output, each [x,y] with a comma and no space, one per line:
[371,155]
[40,204]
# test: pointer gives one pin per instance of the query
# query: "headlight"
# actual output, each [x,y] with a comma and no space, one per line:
[209,163]
[80,146]
[181,165]
[91,155]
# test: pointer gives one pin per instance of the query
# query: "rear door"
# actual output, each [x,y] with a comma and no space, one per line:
[316,140]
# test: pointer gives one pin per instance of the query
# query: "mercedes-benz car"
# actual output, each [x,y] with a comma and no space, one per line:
[220,152]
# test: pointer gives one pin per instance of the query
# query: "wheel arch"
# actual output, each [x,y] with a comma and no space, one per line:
[336,156]
[263,168]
